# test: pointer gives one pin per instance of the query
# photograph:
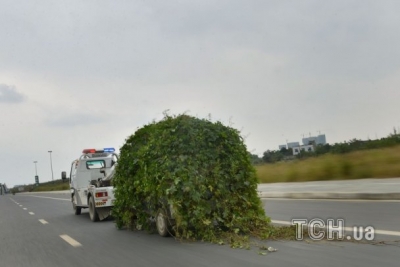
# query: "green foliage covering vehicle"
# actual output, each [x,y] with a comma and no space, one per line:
[193,177]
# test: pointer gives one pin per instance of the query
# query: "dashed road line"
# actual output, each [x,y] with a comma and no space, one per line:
[31,213]
[24,208]
[71,241]
[43,221]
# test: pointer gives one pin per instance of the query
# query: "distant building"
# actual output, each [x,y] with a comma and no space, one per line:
[293,144]
[282,147]
[309,144]
[305,148]
[314,140]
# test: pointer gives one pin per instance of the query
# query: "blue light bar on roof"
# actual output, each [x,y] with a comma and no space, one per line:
[109,150]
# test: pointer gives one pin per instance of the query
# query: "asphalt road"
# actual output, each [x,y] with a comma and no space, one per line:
[43,231]
[381,214]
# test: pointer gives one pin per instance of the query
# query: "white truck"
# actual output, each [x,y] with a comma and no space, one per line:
[90,182]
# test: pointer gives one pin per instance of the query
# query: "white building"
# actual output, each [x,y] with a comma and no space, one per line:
[293,144]
[317,140]
[305,148]
[309,144]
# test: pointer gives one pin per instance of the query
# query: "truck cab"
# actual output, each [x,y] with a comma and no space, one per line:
[90,182]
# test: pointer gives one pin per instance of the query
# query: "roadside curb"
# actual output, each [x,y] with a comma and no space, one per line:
[331,195]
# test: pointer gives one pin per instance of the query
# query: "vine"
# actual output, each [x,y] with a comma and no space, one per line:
[201,169]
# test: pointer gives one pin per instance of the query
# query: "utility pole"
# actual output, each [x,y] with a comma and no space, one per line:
[51,166]
[35,167]
[36,176]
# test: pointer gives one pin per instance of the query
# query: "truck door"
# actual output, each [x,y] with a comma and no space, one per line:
[74,184]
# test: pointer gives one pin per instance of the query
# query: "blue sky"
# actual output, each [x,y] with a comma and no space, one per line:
[82,74]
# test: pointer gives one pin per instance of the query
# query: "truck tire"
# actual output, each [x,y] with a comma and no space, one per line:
[76,208]
[92,210]
[162,223]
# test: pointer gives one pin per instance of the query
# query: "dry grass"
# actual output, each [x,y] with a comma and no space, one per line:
[374,163]
[52,186]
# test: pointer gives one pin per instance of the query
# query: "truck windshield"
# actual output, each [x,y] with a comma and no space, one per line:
[95,164]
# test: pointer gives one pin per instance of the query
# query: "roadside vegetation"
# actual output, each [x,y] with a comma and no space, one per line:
[56,185]
[364,163]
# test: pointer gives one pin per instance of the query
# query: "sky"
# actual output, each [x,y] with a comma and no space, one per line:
[87,74]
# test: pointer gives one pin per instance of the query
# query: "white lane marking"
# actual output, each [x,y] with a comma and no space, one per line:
[325,199]
[20,205]
[71,241]
[43,221]
[31,213]
[24,208]
[281,222]
[382,232]
[67,199]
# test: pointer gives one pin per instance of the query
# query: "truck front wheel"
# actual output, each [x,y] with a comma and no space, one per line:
[92,210]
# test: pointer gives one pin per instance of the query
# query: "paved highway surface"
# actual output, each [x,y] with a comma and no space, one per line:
[41,230]
[382,188]
[381,214]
